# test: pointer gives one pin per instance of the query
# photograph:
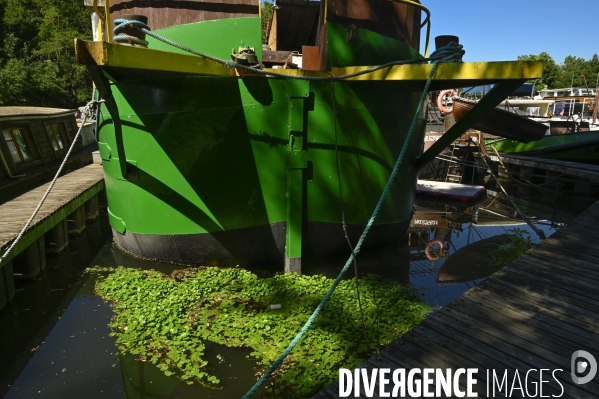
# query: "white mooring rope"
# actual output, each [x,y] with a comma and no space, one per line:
[88,107]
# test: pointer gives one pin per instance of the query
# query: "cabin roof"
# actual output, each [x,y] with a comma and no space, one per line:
[35,112]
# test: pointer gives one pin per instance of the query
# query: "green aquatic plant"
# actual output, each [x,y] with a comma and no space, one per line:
[167,320]
[520,242]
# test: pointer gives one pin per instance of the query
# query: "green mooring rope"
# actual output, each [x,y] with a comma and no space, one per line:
[450,53]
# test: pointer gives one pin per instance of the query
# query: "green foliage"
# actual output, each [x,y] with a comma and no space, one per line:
[551,71]
[518,245]
[267,11]
[37,56]
[166,321]
[566,74]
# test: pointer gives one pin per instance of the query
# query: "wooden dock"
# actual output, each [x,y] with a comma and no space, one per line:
[533,314]
[576,169]
[69,193]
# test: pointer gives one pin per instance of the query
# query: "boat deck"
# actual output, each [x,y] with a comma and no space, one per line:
[449,191]
[69,192]
[533,314]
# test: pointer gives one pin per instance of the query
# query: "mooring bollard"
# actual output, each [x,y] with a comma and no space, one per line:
[29,263]
[57,238]
[76,222]
[92,210]
[7,285]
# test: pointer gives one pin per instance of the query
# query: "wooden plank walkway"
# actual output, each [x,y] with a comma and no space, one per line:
[586,171]
[533,314]
[69,192]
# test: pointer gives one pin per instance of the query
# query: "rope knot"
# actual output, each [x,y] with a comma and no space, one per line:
[452,52]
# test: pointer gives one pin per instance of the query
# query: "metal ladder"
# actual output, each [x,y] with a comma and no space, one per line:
[455,170]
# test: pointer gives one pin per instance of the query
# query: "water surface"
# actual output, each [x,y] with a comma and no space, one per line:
[55,336]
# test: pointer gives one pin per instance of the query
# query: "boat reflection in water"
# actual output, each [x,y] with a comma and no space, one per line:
[453,248]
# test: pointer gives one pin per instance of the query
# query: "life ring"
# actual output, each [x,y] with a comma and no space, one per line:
[440,101]
[427,251]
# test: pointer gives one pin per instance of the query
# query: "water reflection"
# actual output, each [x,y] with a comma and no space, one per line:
[57,344]
[77,358]
[56,333]
[448,249]
[40,303]
[470,239]
[143,380]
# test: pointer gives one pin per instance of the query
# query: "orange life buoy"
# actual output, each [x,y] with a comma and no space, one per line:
[440,101]
[427,251]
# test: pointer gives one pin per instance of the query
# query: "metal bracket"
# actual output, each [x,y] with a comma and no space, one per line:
[105,151]
[116,222]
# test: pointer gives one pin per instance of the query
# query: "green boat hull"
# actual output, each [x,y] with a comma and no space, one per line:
[203,166]
[218,168]
[575,147]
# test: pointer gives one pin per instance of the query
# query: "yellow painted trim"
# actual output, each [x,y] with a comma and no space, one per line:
[503,70]
[120,56]
[108,24]
[102,20]
[97,10]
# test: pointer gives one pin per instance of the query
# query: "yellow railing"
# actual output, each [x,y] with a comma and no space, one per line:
[102,20]
[105,20]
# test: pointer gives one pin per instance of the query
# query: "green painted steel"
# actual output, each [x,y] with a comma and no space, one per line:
[577,147]
[297,161]
[363,47]
[211,154]
[216,38]
[208,163]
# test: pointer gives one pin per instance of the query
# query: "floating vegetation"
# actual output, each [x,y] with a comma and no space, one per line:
[520,242]
[167,320]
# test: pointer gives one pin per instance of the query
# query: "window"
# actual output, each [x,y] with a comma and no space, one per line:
[19,143]
[58,136]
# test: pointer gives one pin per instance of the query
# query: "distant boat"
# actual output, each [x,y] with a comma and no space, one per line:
[563,142]
[571,132]
[35,140]
[501,123]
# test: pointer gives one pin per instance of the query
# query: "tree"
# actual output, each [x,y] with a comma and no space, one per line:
[567,74]
[267,11]
[572,68]
[593,76]
[551,71]
[37,56]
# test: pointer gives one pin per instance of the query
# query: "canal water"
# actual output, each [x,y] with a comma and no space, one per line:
[55,340]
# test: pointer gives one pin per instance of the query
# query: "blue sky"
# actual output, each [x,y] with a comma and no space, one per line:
[501,30]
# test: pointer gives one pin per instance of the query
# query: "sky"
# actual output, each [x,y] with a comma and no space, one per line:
[501,30]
